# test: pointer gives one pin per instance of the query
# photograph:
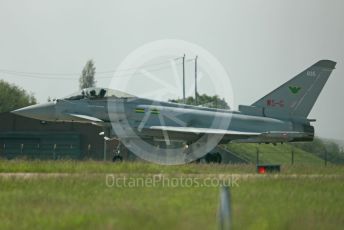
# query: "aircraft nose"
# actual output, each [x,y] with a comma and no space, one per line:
[44,111]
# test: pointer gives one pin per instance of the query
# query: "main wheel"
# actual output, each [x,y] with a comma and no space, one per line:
[213,158]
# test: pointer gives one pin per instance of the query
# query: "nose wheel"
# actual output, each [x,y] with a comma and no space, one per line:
[117,158]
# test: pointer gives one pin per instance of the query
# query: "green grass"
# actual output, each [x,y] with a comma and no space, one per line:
[81,199]
[69,166]
[87,203]
[280,154]
[299,203]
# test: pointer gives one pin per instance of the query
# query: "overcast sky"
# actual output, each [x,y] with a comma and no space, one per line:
[261,43]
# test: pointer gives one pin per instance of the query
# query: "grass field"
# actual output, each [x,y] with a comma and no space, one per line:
[76,195]
[280,154]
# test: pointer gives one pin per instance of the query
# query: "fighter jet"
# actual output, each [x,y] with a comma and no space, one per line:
[278,117]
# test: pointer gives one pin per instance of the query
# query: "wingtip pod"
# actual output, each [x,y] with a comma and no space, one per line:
[326,64]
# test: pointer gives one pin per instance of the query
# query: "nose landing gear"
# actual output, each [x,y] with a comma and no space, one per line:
[116,156]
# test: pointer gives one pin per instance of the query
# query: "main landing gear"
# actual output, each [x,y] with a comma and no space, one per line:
[215,158]
[210,158]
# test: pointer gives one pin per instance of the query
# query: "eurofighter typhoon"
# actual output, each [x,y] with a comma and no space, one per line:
[280,116]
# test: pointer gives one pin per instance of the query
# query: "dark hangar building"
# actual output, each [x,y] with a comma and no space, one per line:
[26,138]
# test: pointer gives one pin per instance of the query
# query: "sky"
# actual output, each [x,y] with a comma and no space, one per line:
[260,43]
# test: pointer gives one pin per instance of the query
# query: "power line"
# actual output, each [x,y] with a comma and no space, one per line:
[98,72]
[63,77]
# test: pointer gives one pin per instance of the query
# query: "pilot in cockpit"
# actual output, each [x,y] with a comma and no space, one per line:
[93,94]
[102,93]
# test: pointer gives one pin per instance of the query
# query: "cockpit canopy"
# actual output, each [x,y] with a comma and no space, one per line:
[98,93]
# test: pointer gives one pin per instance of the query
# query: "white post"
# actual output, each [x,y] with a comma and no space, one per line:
[225,209]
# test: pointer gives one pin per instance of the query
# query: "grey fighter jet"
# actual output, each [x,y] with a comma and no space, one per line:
[280,116]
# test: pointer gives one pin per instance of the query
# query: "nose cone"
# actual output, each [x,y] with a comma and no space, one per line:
[45,112]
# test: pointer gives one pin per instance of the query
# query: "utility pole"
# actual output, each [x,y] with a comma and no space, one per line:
[196,99]
[184,101]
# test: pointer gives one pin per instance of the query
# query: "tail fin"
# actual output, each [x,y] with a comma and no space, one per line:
[296,97]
